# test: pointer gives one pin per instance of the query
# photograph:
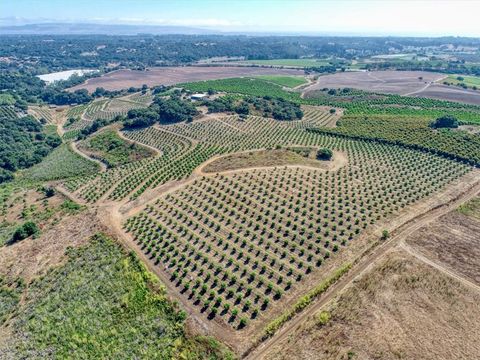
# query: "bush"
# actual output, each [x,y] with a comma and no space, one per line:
[323,318]
[446,121]
[324,154]
[23,231]
[385,235]
[49,191]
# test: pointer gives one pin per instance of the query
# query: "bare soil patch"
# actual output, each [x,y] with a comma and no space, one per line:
[453,241]
[472,129]
[268,158]
[123,79]
[32,257]
[402,308]
[450,93]
[395,82]
[408,83]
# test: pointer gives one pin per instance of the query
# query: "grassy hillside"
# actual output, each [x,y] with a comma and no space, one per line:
[60,164]
[103,304]
[110,148]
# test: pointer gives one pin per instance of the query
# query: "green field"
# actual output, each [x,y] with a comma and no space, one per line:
[61,163]
[288,62]
[107,146]
[469,81]
[101,304]
[288,81]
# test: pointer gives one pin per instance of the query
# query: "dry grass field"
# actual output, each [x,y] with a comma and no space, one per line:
[123,79]
[453,240]
[401,309]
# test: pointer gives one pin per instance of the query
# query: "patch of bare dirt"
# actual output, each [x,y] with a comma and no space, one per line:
[248,160]
[32,257]
[407,83]
[401,309]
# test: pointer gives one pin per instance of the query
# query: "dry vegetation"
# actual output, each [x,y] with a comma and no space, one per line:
[453,240]
[303,157]
[32,257]
[402,309]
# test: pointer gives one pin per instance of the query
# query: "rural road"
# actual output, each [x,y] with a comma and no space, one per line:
[365,264]
[424,88]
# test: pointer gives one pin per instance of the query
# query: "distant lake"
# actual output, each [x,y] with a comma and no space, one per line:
[63,75]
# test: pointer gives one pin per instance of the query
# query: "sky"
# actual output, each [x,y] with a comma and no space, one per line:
[352,17]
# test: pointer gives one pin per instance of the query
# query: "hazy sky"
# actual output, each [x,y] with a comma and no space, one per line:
[406,17]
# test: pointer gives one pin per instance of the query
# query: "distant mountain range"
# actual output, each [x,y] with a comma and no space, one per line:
[107,29]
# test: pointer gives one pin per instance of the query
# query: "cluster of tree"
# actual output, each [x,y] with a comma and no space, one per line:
[227,104]
[324,154]
[277,108]
[96,125]
[322,69]
[22,144]
[267,106]
[25,230]
[445,121]
[162,110]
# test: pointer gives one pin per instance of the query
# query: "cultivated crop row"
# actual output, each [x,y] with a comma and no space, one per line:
[236,244]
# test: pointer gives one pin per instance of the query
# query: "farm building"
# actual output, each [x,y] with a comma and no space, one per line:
[199,97]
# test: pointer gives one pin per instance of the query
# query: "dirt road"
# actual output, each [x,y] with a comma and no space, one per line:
[74,147]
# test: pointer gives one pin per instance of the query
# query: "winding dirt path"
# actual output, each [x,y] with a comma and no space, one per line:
[364,264]
[74,147]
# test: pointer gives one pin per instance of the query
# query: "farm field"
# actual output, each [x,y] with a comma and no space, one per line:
[106,109]
[453,240]
[301,156]
[469,81]
[405,83]
[188,232]
[237,247]
[123,79]
[288,81]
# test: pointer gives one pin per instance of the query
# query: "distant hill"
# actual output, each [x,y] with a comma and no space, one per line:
[89,29]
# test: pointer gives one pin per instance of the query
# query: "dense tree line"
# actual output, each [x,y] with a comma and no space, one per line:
[99,51]
[22,144]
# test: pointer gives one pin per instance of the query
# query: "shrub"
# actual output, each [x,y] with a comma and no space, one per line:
[446,121]
[23,231]
[385,235]
[323,317]
[324,154]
